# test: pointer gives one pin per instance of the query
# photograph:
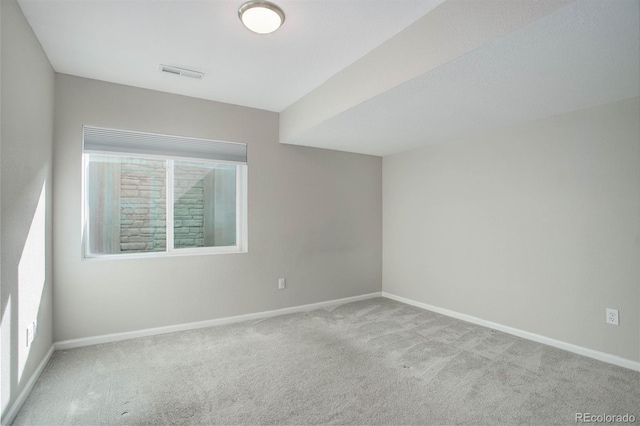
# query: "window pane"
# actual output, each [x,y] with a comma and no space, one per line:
[126,205]
[204,212]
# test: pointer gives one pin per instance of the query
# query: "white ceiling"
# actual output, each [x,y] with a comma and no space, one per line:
[124,41]
[534,63]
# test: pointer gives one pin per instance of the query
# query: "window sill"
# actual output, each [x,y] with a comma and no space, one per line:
[160,255]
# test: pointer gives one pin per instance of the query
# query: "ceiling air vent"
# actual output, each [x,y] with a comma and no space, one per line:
[181,71]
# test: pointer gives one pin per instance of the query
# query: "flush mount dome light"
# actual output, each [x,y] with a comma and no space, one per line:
[261,17]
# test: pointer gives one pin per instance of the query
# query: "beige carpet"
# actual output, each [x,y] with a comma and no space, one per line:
[371,362]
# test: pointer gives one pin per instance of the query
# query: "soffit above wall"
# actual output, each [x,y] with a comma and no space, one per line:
[581,55]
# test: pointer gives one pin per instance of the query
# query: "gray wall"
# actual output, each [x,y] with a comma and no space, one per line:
[27,82]
[314,218]
[536,227]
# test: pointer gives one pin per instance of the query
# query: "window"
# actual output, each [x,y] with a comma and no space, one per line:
[149,195]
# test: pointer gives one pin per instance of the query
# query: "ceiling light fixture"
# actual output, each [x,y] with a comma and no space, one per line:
[261,17]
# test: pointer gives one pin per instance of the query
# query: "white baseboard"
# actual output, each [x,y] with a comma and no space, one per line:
[107,338]
[600,356]
[22,397]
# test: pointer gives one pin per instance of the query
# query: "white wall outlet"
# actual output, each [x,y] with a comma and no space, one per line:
[282,284]
[29,334]
[612,316]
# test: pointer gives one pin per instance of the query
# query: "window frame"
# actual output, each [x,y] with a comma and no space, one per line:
[241,245]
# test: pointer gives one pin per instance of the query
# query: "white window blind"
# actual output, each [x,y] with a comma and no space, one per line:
[101,140]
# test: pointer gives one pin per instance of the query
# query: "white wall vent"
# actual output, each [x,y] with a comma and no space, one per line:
[181,71]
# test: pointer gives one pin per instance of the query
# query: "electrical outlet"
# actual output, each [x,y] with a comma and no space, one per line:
[31,332]
[612,317]
[282,284]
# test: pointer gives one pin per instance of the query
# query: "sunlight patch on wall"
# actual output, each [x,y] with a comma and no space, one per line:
[31,278]
[5,356]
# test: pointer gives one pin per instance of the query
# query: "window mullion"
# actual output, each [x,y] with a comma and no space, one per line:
[169,208]
[239,208]
[85,205]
